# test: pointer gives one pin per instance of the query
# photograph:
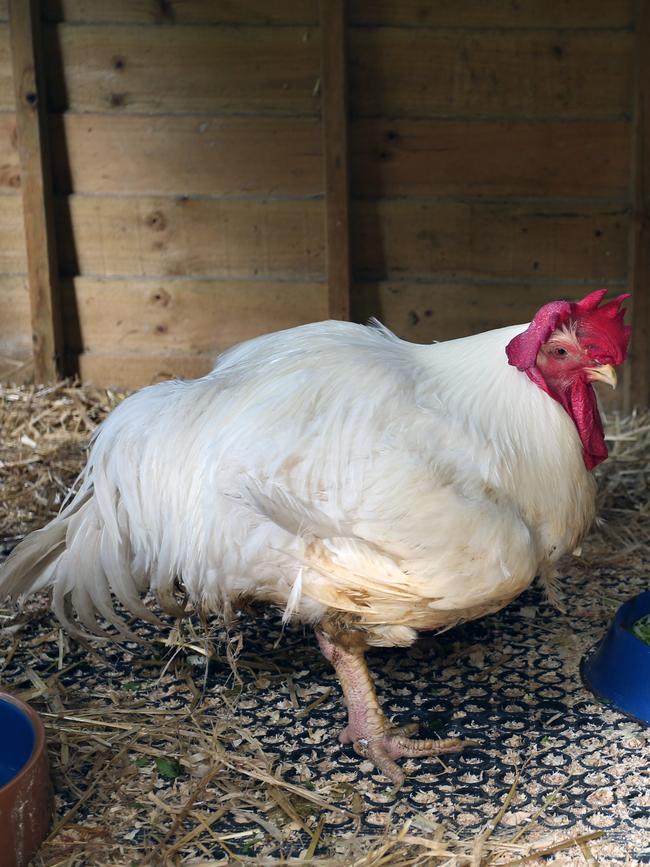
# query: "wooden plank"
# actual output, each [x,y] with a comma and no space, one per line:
[490,74]
[150,236]
[399,71]
[388,157]
[335,150]
[182,11]
[6,75]
[13,257]
[9,163]
[193,155]
[431,13]
[15,321]
[283,156]
[42,268]
[408,240]
[639,380]
[496,13]
[154,317]
[444,158]
[423,312]
[163,70]
[132,370]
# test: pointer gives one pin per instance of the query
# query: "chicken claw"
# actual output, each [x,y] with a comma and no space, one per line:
[368,730]
[383,750]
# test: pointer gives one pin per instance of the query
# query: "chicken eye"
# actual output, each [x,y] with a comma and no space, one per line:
[559,352]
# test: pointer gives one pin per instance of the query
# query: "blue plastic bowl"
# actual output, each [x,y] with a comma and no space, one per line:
[618,669]
[17,741]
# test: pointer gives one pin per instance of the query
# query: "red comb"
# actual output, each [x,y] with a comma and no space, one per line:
[603,326]
[591,301]
[522,349]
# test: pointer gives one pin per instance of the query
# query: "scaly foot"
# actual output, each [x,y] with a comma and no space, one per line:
[382,751]
[368,730]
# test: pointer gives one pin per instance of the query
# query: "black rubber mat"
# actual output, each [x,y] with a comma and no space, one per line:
[510,681]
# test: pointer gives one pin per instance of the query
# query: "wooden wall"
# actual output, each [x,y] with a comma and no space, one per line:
[15,326]
[187,179]
[491,148]
[491,151]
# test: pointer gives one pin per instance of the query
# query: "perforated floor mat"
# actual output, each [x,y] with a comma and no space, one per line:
[510,681]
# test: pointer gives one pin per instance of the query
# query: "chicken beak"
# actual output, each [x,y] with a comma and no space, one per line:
[603,373]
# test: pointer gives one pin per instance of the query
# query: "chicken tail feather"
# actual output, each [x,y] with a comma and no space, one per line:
[76,556]
[32,563]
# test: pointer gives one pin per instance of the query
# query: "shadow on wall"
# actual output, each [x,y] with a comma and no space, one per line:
[366,300]
[62,188]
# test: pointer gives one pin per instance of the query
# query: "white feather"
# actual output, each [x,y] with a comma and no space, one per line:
[293,602]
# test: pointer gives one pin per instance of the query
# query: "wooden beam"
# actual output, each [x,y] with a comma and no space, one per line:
[335,154]
[639,383]
[31,119]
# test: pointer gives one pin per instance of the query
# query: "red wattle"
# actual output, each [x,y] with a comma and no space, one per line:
[580,403]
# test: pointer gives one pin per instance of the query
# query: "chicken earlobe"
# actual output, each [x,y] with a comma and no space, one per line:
[368,730]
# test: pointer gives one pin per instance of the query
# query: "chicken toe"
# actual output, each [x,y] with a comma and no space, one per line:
[368,730]
[383,751]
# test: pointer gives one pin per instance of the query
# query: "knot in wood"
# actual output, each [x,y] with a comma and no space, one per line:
[156,220]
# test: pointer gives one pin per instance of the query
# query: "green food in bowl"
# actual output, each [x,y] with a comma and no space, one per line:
[642,629]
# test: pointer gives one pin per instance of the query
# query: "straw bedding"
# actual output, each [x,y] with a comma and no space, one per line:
[198,747]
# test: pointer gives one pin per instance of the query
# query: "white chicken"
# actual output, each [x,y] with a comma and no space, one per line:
[368,486]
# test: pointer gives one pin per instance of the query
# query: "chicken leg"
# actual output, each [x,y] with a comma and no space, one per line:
[368,730]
